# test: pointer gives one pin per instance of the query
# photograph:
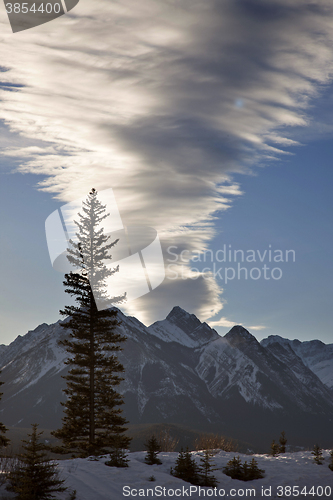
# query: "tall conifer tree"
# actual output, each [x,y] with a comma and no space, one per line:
[93,408]
[3,440]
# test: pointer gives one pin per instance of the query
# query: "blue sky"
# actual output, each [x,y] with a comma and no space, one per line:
[211,124]
[288,205]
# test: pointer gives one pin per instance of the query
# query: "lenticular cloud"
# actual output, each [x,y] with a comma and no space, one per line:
[163,101]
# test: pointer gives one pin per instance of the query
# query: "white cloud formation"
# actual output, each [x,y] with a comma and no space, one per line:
[163,101]
[222,322]
[257,327]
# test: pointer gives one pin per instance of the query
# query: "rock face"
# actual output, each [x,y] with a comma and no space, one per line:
[179,370]
[314,354]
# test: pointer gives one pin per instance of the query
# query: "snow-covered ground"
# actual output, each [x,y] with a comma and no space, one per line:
[95,481]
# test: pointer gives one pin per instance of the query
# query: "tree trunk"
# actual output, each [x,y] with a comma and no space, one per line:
[92,378]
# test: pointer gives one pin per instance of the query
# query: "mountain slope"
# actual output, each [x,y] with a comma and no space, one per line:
[314,354]
[177,370]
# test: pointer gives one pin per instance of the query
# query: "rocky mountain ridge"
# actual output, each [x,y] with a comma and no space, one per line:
[180,370]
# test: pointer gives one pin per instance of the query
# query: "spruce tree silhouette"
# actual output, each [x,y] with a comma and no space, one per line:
[93,421]
[35,477]
[153,449]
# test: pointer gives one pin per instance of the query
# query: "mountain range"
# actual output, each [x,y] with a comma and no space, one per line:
[181,371]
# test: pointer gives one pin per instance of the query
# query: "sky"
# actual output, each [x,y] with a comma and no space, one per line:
[212,123]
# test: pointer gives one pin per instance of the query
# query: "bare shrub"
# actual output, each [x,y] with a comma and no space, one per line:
[166,441]
[214,442]
[8,462]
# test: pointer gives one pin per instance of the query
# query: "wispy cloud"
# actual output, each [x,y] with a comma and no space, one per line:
[257,327]
[222,322]
[163,102]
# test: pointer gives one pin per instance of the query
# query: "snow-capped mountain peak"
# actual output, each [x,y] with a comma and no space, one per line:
[238,335]
[184,328]
[180,370]
[183,319]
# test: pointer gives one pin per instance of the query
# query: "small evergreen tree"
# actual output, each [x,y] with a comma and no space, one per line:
[283,442]
[206,469]
[179,470]
[274,449]
[35,477]
[254,472]
[93,407]
[118,456]
[244,472]
[3,440]
[191,468]
[153,449]
[317,454]
[331,461]
[186,467]
[234,468]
